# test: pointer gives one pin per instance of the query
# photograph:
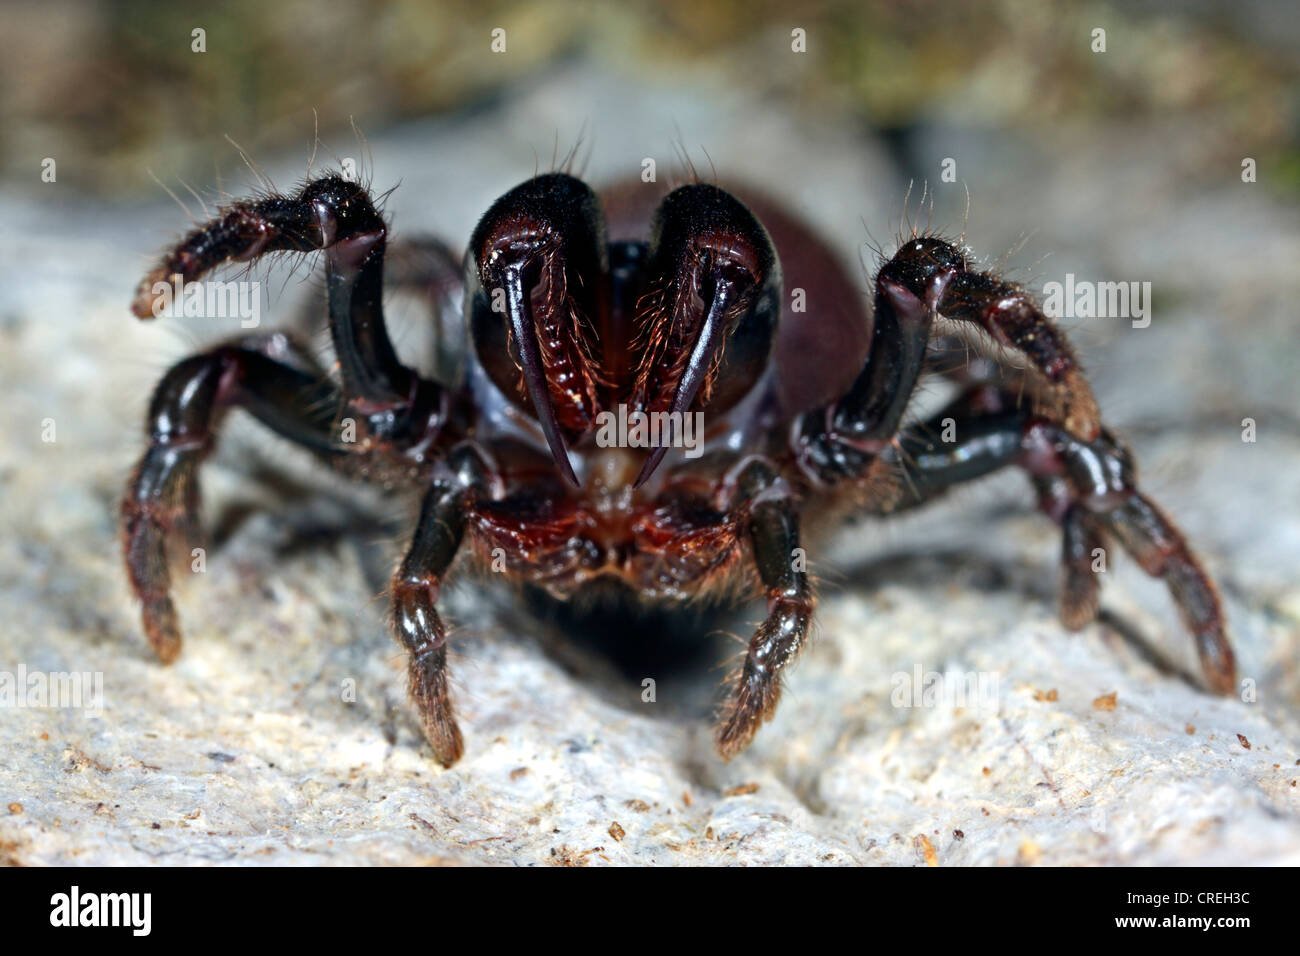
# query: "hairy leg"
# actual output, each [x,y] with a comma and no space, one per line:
[444,513]
[337,216]
[772,529]
[1088,487]
[928,278]
[162,495]
[402,421]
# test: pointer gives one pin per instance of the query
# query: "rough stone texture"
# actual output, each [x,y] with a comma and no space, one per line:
[244,752]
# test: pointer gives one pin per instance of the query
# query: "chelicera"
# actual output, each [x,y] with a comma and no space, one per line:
[575,309]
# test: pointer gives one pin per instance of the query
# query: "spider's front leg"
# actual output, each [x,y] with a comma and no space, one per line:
[771,528]
[444,513]
[402,419]
[163,493]
[332,214]
[1085,481]
[927,278]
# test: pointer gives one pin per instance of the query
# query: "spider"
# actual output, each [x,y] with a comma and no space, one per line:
[569,315]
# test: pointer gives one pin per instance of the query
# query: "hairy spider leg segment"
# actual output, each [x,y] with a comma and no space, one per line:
[332,214]
[706,327]
[541,251]
[162,494]
[842,440]
[927,278]
[444,513]
[1009,315]
[772,529]
[1081,538]
[1089,488]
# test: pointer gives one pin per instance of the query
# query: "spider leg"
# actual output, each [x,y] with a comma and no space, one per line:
[772,529]
[438,534]
[928,278]
[1088,487]
[162,495]
[424,267]
[337,216]
[1009,316]
[402,417]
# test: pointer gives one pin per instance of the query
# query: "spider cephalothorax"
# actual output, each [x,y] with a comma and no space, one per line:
[746,418]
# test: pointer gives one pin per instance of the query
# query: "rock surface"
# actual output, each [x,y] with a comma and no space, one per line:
[1097,747]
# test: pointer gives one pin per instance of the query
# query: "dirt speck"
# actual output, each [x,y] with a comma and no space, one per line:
[927,850]
[565,856]
[1029,853]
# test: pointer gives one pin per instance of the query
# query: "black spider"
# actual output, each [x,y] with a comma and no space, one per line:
[589,357]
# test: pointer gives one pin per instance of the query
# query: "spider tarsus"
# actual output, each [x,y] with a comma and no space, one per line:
[149,577]
[421,629]
[737,732]
[428,688]
[415,588]
[1079,600]
[1219,666]
[162,628]
[1162,551]
[755,697]
[152,513]
[1081,539]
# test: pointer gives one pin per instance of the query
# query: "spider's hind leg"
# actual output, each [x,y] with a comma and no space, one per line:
[162,496]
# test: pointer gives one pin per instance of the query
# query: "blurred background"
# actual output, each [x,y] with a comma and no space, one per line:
[115,87]
[1115,163]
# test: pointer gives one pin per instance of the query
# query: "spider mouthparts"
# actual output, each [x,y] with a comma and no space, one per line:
[704,356]
[521,326]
